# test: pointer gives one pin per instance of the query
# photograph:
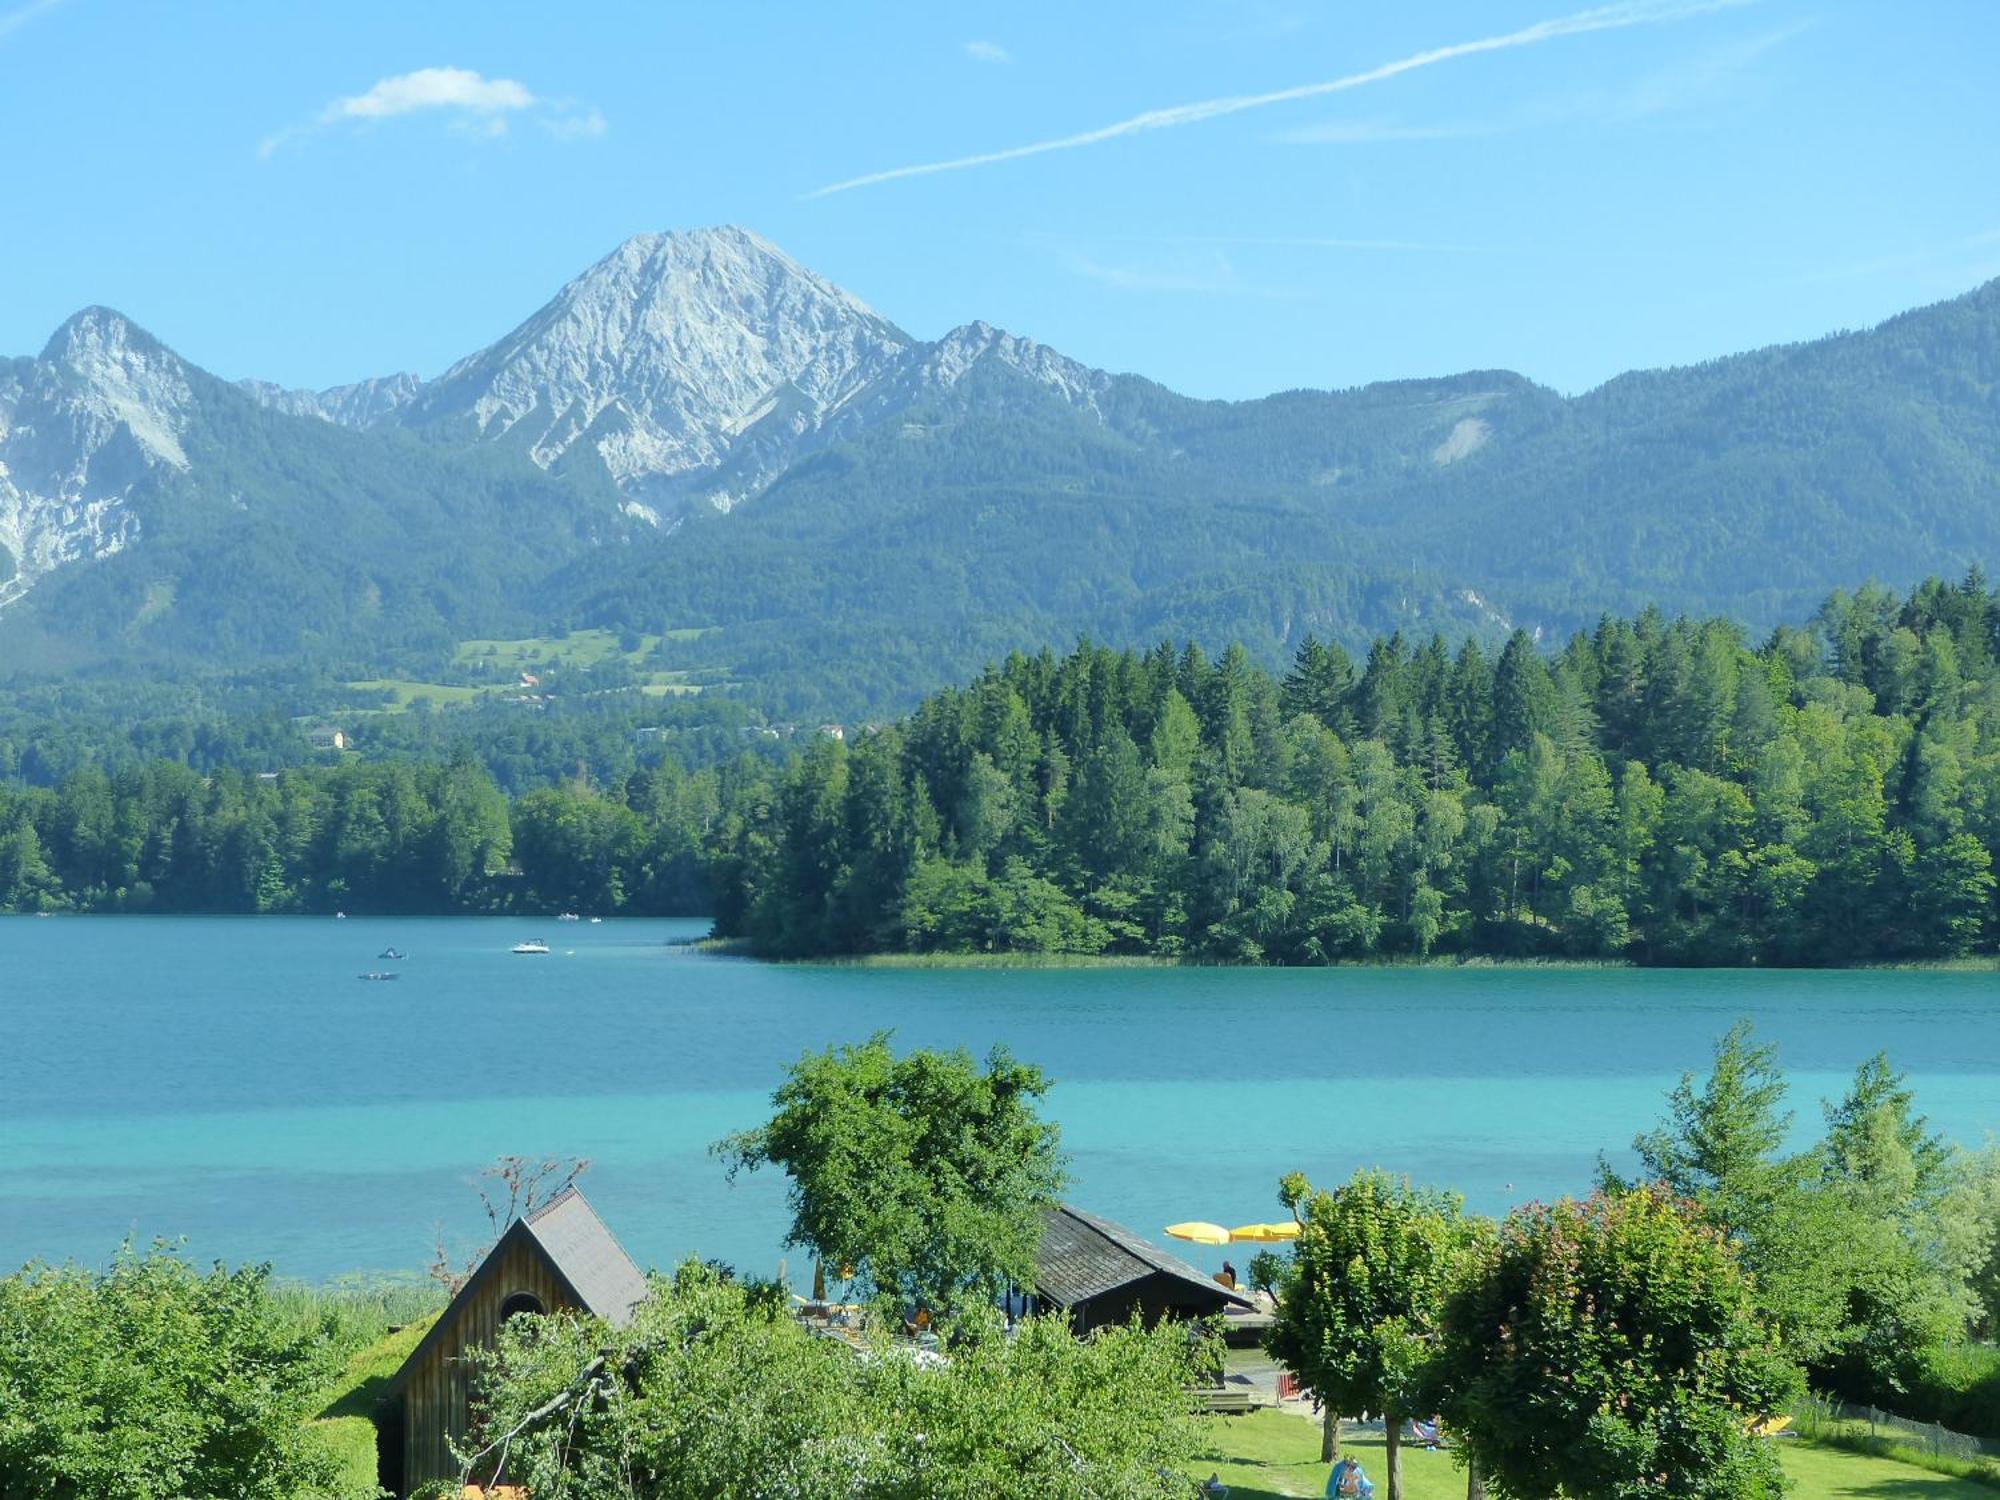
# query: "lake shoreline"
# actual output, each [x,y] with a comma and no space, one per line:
[233,1082]
[740,948]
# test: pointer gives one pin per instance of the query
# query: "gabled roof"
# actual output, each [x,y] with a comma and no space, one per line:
[588,1256]
[584,1255]
[1083,1256]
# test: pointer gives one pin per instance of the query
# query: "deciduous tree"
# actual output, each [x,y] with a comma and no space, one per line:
[1612,1349]
[927,1173]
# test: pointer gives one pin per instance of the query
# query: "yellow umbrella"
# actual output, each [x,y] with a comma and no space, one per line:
[1201,1232]
[1265,1234]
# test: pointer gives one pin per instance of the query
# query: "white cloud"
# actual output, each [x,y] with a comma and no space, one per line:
[1700,82]
[988,52]
[469,102]
[1602,18]
[573,123]
[457,89]
[12,21]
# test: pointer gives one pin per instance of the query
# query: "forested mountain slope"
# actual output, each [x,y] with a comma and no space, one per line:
[1745,484]
[1002,511]
[698,431]
[151,512]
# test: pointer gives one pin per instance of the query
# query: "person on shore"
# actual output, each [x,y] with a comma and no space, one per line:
[1228,1276]
[1349,1481]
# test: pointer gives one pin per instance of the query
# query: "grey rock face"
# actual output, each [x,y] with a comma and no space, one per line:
[361,404]
[664,354]
[696,366]
[103,406]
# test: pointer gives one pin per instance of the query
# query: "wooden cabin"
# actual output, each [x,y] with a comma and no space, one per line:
[1100,1273]
[560,1257]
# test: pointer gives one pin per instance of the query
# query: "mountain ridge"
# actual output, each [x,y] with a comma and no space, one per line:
[708,434]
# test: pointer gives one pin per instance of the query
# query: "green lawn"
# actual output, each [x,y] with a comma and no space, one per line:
[668,685]
[1264,1456]
[1269,1454]
[403,692]
[580,648]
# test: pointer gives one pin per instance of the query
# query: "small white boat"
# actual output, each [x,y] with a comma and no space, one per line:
[569,916]
[533,945]
[595,921]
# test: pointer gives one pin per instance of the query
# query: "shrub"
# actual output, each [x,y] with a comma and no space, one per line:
[155,1379]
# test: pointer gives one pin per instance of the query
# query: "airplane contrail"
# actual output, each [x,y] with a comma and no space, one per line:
[1601,18]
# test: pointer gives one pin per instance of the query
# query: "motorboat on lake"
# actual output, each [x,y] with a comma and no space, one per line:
[533,945]
[379,974]
[569,916]
[392,954]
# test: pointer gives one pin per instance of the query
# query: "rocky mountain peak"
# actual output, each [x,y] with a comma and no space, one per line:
[104,406]
[664,352]
[362,403]
[949,360]
[98,333]
[105,372]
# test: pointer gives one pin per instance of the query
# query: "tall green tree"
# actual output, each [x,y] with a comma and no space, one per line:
[1722,1146]
[1359,1306]
[927,1173]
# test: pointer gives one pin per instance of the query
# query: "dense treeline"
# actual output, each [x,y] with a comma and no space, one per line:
[582,727]
[1659,789]
[359,837]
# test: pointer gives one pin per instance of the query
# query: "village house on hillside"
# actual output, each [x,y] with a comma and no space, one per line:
[560,1256]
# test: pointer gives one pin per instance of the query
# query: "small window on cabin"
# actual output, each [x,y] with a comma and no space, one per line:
[519,1303]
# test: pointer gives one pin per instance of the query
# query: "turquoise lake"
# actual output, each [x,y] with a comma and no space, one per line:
[230,1081]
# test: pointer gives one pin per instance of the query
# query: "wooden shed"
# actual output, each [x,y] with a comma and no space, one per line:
[1101,1272]
[559,1257]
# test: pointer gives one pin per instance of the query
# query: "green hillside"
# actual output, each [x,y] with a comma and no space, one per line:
[942,523]
[999,516]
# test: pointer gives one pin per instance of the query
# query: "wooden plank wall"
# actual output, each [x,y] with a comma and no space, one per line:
[439,1394]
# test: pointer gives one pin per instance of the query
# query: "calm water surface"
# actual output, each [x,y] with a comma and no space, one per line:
[230,1081]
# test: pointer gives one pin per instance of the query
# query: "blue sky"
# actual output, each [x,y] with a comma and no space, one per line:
[314,193]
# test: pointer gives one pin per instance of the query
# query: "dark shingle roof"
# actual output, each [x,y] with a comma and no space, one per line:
[580,1250]
[588,1256]
[1083,1256]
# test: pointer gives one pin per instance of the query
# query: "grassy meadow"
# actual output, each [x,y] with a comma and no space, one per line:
[1270,1454]
[493,667]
